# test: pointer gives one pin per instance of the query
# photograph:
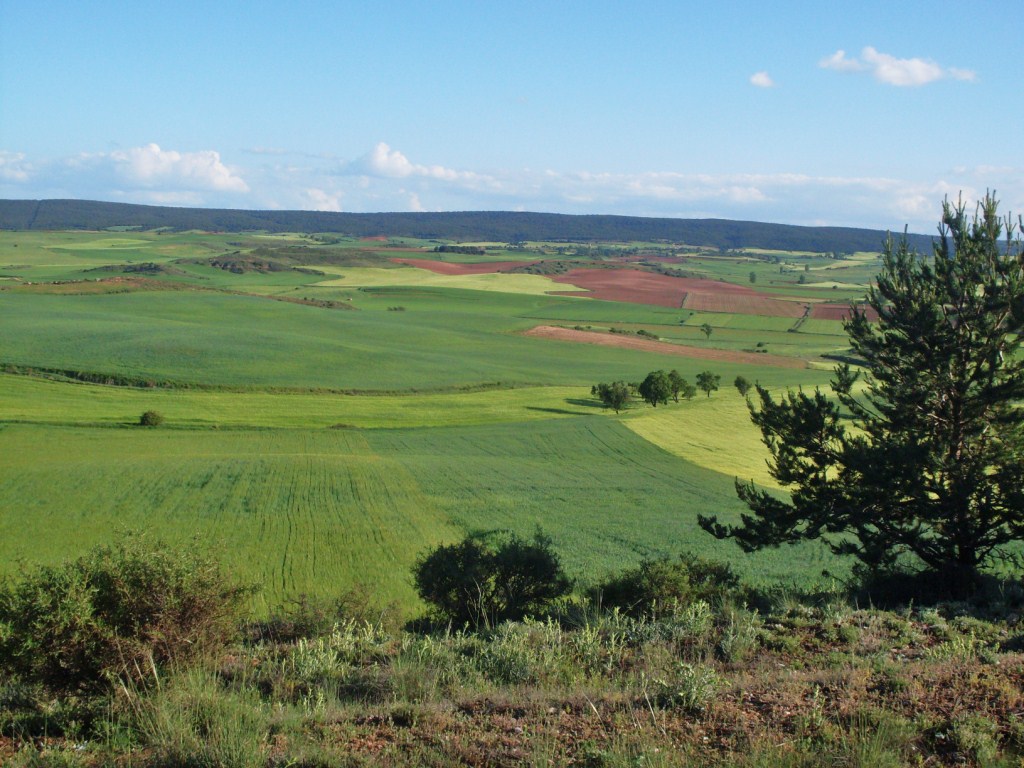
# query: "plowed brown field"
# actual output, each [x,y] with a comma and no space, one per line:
[640,287]
[628,285]
[837,312]
[661,347]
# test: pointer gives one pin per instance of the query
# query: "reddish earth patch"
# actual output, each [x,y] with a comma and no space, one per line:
[374,239]
[837,312]
[631,285]
[450,268]
[661,347]
[699,295]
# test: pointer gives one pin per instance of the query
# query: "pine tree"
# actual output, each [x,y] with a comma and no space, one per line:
[924,459]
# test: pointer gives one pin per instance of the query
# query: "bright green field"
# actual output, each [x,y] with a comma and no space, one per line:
[451,419]
[246,342]
[315,510]
[34,400]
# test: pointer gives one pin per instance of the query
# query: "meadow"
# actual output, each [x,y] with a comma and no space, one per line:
[331,413]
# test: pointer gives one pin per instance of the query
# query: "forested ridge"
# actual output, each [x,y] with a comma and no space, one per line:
[502,226]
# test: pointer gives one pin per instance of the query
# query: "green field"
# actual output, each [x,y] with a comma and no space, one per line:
[311,510]
[319,446]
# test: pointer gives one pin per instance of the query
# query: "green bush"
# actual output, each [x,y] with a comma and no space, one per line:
[118,612]
[151,419]
[656,586]
[486,579]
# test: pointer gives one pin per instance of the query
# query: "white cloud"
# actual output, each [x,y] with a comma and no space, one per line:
[319,200]
[149,174]
[900,72]
[152,166]
[762,80]
[14,167]
[382,161]
[838,61]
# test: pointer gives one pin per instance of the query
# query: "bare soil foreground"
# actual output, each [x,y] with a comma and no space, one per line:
[662,347]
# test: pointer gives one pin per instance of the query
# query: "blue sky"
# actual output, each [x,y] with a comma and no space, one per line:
[855,114]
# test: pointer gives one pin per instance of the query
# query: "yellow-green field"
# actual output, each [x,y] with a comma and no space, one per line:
[371,277]
[28,399]
[715,433]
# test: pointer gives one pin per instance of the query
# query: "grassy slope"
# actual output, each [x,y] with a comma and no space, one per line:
[304,508]
[27,399]
[246,341]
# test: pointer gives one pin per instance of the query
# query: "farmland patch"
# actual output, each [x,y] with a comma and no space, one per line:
[714,432]
[456,268]
[536,285]
[649,345]
[836,312]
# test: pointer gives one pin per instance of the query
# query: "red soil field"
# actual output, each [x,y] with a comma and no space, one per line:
[640,287]
[837,312]
[661,347]
[449,268]
[628,285]
[692,293]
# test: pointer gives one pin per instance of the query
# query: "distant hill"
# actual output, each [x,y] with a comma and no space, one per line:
[501,226]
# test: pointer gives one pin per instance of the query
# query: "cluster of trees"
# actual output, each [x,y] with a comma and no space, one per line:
[471,250]
[658,386]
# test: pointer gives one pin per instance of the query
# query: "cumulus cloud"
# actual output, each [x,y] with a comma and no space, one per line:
[139,174]
[385,179]
[894,71]
[762,80]
[386,162]
[152,166]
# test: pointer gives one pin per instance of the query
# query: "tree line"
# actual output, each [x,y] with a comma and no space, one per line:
[658,387]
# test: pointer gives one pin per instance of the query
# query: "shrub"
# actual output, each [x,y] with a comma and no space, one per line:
[151,419]
[489,578]
[655,586]
[118,612]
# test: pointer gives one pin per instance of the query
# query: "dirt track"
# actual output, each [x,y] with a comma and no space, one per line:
[662,347]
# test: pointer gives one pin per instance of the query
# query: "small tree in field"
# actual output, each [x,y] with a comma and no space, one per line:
[706,329]
[707,382]
[656,388]
[615,395]
[742,385]
[677,384]
[928,463]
